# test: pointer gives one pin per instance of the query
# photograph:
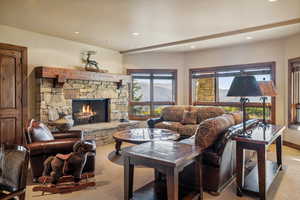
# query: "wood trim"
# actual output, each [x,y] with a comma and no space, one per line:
[24,90]
[24,80]
[154,103]
[233,104]
[291,113]
[217,35]
[271,65]
[273,99]
[65,74]
[292,145]
[234,67]
[129,71]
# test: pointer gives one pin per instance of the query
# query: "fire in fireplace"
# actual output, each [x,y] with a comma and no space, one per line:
[88,111]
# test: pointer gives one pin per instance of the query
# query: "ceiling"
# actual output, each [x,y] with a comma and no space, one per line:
[110,23]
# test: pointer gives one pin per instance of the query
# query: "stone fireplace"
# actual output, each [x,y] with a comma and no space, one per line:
[89,111]
[89,97]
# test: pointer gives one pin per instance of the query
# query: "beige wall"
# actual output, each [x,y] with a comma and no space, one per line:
[161,61]
[51,51]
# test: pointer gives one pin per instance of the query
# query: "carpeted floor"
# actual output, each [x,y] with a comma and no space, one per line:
[109,180]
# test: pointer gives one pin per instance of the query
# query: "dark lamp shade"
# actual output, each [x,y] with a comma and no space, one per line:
[244,86]
[267,88]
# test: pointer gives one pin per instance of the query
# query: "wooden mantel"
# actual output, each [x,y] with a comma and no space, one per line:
[60,75]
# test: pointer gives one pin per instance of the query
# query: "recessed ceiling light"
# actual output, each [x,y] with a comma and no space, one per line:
[135,34]
[272,0]
[249,38]
[192,47]
[76,32]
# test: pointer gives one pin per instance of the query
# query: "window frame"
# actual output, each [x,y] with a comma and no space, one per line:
[270,65]
[152,103]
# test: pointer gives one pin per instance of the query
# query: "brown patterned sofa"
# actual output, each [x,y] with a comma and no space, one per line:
[213,134]
[184,119]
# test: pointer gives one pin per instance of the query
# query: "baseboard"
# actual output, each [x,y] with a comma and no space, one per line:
[292,145]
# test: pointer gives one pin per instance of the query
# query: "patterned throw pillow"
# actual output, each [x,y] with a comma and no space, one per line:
[189,117]
[238,117]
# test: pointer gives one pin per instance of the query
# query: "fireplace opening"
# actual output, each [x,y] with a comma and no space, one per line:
[89,111]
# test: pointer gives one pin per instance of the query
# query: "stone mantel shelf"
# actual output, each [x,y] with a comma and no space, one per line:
[61,75]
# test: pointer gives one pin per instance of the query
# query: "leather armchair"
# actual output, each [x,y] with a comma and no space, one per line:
[13,168]
[63,143]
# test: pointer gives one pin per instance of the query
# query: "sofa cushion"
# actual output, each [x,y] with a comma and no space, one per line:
[238,117]
[189,117]
[174,126]
[208,112]
[188,130]
[173,113]
[209,130]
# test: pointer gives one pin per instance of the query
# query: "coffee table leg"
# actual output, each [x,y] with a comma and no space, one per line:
[118,146]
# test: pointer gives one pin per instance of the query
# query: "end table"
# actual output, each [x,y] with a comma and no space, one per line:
[166,157]
[261,177]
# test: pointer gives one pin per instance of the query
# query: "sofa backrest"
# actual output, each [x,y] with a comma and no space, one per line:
[210,130]
[175,113]
[207,112]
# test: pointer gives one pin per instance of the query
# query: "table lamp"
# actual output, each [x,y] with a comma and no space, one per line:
[267,89]
[244,86]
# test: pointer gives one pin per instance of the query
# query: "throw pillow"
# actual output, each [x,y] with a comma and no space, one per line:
[39,132]
[238,117]
[189,117]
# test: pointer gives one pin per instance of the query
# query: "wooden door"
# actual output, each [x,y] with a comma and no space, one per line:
[13,88]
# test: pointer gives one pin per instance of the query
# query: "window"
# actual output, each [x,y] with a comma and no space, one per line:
[294,93]
[209,87]
[151,90]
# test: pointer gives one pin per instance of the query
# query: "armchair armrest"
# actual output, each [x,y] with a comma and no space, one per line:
[52,147]
[68,134]
[151,122]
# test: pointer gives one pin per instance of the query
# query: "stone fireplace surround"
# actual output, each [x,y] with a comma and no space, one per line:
[53,99]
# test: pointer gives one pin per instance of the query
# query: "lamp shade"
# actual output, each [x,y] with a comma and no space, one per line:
[267,88]
[244,86]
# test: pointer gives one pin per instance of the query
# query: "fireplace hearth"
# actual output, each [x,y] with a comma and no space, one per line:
[89,111]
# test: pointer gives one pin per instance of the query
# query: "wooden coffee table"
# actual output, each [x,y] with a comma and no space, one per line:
[142,135]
